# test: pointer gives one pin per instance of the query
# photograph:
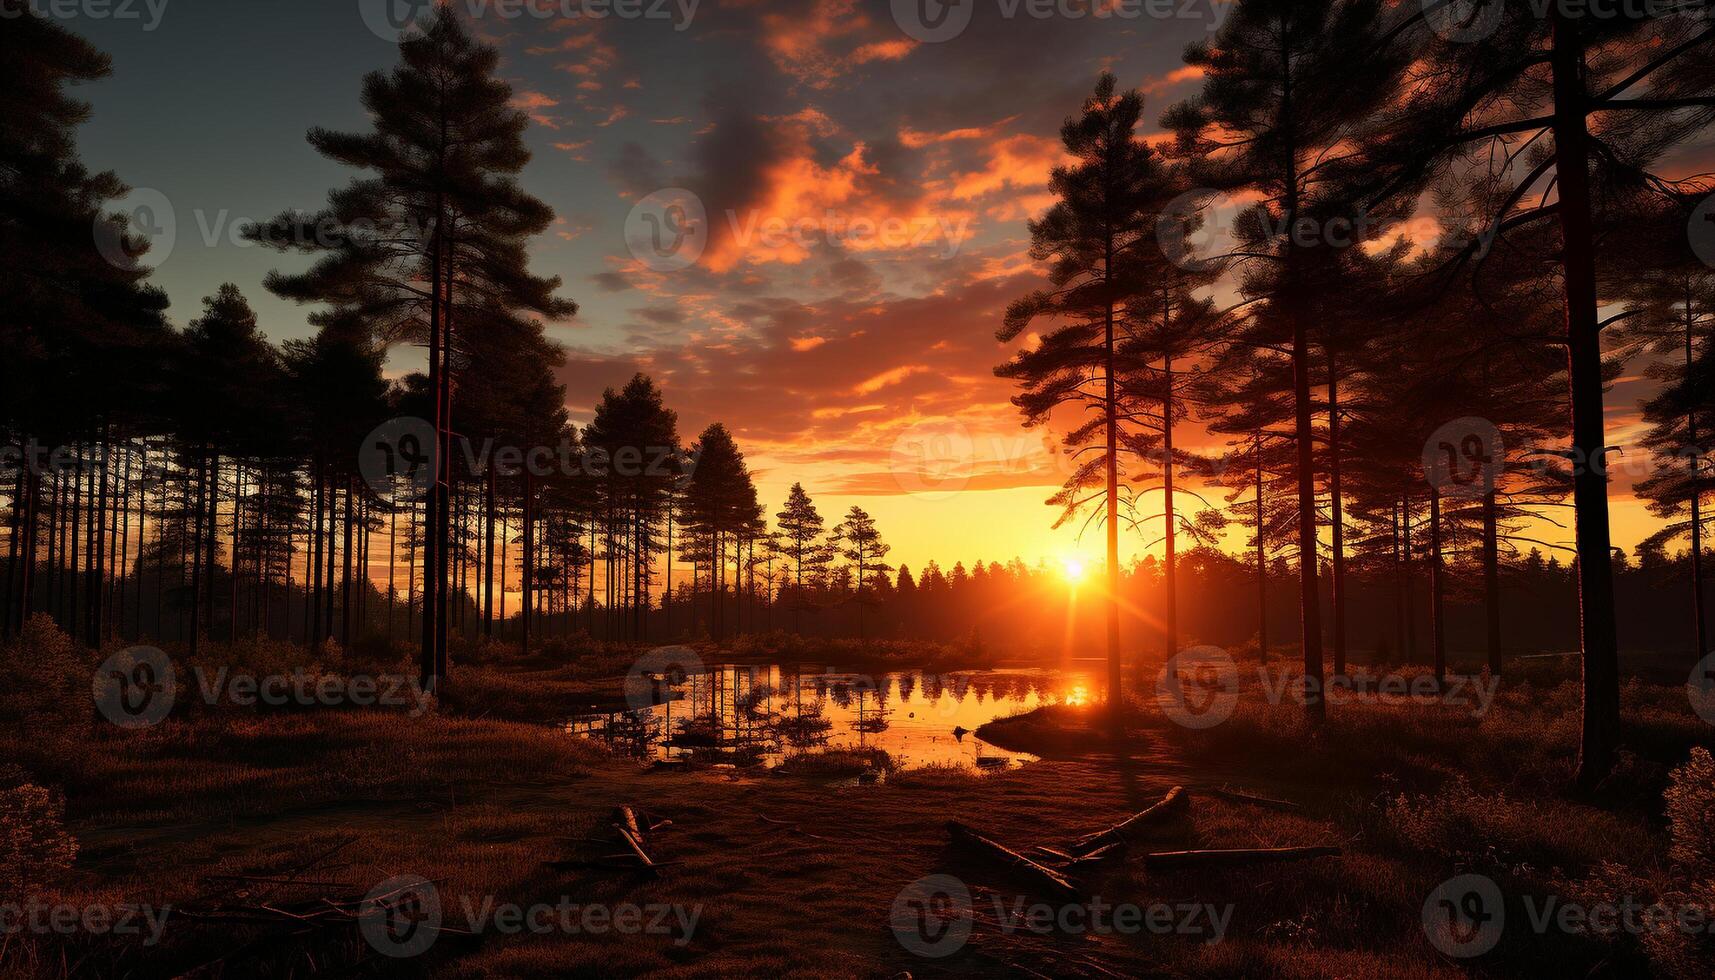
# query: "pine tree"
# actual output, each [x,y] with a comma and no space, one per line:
[720,503]
[434,243]
[1289,87]
[800,527]
[1605,96]
[635,442]
[860,543]
[1672,295]
[1094,239]
[76,311]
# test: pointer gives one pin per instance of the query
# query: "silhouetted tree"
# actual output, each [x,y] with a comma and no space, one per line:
[1572,83]
[860,543]
[1094,239]
[1289,87]
[720,502]
[433,242]
[800,534]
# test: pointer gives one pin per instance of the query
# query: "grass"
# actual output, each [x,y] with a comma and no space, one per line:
[796,876]
[837,763]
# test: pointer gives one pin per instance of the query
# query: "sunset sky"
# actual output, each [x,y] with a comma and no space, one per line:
[840,361]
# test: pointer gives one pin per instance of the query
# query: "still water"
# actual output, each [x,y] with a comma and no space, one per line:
[762,715]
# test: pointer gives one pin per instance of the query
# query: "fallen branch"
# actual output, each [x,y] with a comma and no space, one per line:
[1054,880]
[636,845]
[1251,798]
[625,818]
[1235,857]
[1172,804]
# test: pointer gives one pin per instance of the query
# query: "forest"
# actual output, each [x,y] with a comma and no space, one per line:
[1329,348]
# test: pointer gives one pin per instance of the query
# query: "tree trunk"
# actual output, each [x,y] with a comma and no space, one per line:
[1696,503]
[196,551]
[97,542]
[32,518]
[237,512]
[1598,630]
[488,553]
[345,568]
[1492,581]
[1261,562]
[428,663]
[1336,518]
[1171,540]
[529,563]
[1111,424]
[1309,592]
[211,557]
[1437,588]
[15,526]
[1398,584]
[1410,584]
[329,578]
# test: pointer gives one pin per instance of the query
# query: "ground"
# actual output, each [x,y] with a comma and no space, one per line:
[799,874]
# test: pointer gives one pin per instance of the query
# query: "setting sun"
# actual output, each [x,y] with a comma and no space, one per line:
[1073,569]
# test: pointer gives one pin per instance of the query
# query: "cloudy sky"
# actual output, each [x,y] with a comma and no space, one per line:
[865,170]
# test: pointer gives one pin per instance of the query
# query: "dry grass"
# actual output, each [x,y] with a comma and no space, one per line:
[1413,794]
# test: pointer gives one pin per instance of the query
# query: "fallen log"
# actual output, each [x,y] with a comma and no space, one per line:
[625,818]
[1251,798]
[1053,880]
[1235,857]
[1173,803]
[636,846]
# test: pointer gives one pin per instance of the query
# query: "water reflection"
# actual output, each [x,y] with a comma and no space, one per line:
[761,715]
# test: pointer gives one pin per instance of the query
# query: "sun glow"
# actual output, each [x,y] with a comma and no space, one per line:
[1073,569]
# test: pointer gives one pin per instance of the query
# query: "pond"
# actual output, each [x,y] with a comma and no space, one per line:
[764,714]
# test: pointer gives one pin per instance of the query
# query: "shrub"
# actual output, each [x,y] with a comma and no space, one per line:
[34,846]
[1690,800]
[46,678]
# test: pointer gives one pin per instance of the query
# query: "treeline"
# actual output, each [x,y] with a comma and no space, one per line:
[205,482]
[1401,414]
[1019,610]
[1389,402]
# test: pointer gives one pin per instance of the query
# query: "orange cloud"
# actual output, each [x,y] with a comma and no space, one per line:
[1019,161]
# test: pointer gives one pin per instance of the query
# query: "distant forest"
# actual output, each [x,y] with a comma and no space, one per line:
[202,482]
